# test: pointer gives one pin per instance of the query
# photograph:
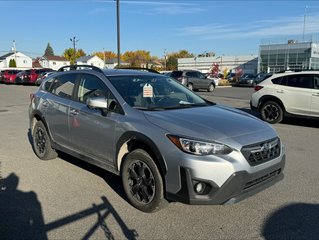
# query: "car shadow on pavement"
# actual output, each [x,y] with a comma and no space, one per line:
[114,181]
[21,215]
[294,221]
[111,179]
[102,210]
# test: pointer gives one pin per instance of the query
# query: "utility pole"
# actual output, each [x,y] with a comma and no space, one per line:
[118,32]
[74,40]
[15,52]
[165,58]
[104,58]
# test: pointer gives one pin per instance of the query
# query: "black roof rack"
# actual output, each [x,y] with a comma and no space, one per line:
[79,67]
[140,69]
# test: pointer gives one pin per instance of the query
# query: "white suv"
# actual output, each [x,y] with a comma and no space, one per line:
[287,94]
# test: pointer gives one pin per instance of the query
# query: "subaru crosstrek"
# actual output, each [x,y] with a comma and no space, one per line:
[287,94]
[165,142]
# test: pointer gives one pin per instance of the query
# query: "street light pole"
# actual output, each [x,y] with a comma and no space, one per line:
[74,50]
[118,32]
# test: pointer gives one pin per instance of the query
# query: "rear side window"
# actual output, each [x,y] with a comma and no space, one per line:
[45,86]
[176,74]
[277,80]
[63,85]
[300,80]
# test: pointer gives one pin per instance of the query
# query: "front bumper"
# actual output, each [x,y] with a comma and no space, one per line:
[239,186]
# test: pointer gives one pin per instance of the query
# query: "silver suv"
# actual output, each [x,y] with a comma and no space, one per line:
[194,80]
[165,142]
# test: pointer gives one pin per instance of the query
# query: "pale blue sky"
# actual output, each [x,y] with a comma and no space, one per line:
[225,27]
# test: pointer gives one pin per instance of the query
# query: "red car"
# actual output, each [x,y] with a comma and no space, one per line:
[34,73]
[9,75]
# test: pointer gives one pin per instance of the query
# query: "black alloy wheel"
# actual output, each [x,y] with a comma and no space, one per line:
[42,143]
[142,181]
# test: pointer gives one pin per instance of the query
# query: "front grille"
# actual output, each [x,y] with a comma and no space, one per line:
[262,179]
[261,152]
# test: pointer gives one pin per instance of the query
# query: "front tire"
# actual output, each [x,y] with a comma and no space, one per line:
[142,181]
[42,142]
[271,112]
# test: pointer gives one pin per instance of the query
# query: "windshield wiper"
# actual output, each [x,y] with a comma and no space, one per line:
[150,108]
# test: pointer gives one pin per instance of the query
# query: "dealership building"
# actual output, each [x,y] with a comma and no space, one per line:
[247,63]
[291,55]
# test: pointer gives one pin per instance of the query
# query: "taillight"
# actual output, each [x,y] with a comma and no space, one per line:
[257,88]
[32,96]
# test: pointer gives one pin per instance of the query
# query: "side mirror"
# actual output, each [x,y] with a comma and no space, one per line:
[97,103]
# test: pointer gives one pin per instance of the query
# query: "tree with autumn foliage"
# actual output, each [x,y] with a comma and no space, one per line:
[107,55]
[69,54]
[137,58]
[171,62]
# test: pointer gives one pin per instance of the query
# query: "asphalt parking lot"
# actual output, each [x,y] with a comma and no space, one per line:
[68,199]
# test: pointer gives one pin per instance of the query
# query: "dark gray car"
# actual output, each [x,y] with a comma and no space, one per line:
[194,80]
[165,142]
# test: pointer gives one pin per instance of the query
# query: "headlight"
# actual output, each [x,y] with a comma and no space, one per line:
[199,147]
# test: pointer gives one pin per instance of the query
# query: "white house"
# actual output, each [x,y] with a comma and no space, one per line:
[91,60]
[22,60]
[112,63]
[53,62]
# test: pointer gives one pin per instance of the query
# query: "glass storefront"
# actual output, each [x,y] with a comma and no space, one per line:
[293,56]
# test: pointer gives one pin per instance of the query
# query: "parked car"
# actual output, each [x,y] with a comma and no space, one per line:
[2,76]
[261,77]
[215,79]
[166,142]
[22,77]
[246,80]
[287,94]
[30,76]
[194,80]
[42,76]
[9,75]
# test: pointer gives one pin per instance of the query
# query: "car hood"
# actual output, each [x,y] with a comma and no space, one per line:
[213,123]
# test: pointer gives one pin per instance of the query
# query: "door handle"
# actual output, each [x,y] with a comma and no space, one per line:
[315,94]
[74,112]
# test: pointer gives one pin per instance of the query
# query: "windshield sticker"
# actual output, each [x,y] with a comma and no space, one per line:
[147,90]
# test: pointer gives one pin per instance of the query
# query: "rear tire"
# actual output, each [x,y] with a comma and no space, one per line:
[42,142]
[142,181]
[211,88]
[271,112]
[190,86]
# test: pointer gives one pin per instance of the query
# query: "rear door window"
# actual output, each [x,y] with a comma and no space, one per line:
[63,86]
[300,80]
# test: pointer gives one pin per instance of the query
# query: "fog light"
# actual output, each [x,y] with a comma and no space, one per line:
[199,187]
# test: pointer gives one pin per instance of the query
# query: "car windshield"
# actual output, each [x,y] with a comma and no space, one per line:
[155,93]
